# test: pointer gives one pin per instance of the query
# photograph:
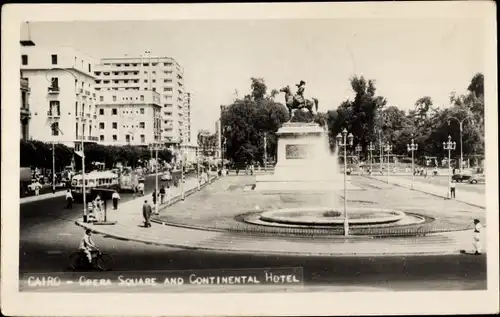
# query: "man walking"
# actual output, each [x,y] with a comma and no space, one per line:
[452,188]
[162,194]
[115,197]
[69,200]
[477,237]
[146,213]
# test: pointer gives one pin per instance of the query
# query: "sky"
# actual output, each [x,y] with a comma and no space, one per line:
[407,58]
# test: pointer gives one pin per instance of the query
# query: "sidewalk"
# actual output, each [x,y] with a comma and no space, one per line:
[470,198]
[129,227]
[29,199]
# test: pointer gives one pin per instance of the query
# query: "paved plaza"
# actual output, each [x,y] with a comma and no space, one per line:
[209,220]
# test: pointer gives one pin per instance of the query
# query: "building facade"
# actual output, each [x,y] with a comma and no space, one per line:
[162,75]
[62,98]
[25,109]
[130,117]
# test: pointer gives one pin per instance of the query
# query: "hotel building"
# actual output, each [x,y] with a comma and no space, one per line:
[62,100]
[162,75]
[25,109]
[130,117]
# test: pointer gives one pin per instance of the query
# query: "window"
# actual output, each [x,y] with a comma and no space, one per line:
[115,125]
[54,59]
[101,125]
[24,59]
[127,138]
[154,80]
[143,138]
[90,68]
[101,112]
[154,89]
[76,108]
[145,80]
[142,110]
[115,138]
[114,112]
[55,108]
[55,82]
[125,73]
[142,98]
[55,128]
[76,130]
[101,137]
[101,98]
[142,125]
[145,64]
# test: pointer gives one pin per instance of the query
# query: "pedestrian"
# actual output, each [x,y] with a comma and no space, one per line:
[90,208]
[37,188]
[69,199]
[146,213]
[476,242]
[452,188]
[115,197]
[162,194]
[140,189]
[97,207]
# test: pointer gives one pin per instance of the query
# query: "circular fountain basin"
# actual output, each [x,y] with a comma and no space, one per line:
[326,216]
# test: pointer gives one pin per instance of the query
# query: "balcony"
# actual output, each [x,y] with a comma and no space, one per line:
[87,138]
[87,92]
[25,113]
[25,84]
[53,114]
[53,90]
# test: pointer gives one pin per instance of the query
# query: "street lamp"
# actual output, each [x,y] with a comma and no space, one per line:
[388,149]
[155,146]
[460,122]
[345,141]
[371,148]
[412,147]
[358,150]
[381,148]
[449,146]
[183,155]
[265,152]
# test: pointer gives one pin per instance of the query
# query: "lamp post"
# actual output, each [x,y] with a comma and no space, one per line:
[54,120]
[371,148]
[449,146]
[381,149]
[155,146]
[460,122]
[265,152]
[358,150]
[183,154]
[412,147]
[388,149]
[345,141]
[198,166]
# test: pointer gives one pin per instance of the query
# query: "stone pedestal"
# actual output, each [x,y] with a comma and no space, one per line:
[304,161]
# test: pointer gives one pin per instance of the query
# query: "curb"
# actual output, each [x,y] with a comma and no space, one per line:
[260,252]
[422,191]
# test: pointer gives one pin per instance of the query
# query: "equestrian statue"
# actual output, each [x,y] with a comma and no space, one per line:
[298,101]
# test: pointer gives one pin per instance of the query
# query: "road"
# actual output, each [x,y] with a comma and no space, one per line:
[48,236]
[443,181]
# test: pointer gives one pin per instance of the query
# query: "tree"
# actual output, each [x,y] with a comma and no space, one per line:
[358,116]
[247,120]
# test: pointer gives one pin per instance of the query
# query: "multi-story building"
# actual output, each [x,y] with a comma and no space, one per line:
[186,125]
[62,99]
[159,74]
[130,117]
[25,109]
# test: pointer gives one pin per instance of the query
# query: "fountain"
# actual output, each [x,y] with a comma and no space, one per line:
[305,163]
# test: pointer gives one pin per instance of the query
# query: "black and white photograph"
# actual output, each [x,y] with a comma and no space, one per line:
[243,156]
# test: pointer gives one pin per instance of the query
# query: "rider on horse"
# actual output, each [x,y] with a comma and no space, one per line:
[299,97]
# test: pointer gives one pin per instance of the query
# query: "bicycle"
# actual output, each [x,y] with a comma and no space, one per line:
[100,260]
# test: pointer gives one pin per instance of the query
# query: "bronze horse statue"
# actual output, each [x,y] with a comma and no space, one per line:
[292,103]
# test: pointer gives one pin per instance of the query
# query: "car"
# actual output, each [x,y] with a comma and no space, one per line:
[477,179]
[461,177]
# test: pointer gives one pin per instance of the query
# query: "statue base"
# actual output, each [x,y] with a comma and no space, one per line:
[304,162]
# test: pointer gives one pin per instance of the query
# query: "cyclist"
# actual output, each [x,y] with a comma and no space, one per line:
[87,245]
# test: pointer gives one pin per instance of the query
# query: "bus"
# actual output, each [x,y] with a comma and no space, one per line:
[97,179]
